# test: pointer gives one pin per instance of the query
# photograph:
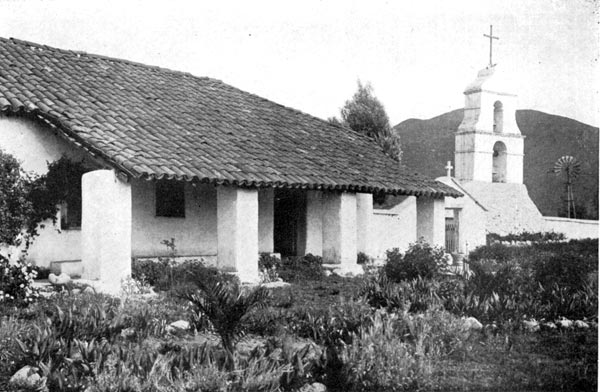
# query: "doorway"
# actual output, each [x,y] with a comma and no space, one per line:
[289,218]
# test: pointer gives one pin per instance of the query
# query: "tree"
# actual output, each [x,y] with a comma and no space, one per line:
[364,113]
[27,200]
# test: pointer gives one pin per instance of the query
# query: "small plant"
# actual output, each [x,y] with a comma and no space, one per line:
[16,282]
[223,307]
[268,266]
[421,260]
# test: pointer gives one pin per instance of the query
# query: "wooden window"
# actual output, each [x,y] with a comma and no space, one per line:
[170,199]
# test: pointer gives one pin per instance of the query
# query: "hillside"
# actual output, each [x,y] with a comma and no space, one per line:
[428,144]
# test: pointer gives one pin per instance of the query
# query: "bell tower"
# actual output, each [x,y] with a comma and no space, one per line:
[488,143]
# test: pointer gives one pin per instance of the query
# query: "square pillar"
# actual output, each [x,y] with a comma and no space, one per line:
[339,231]
[266,197]
[314,223]
[105,229]
[237,231]
[364,217]
[431,220]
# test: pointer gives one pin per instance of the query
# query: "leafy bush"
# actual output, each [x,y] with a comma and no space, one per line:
[416,295]
[421,260]
[166,274]
[16,282]
[301,268]
[268,267]
[526,236]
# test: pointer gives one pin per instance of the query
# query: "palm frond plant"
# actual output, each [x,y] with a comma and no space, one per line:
[223,306]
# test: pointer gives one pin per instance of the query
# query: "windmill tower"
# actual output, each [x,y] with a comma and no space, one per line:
[569,167]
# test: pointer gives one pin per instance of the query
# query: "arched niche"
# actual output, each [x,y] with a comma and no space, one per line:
[499,162]
[498,117]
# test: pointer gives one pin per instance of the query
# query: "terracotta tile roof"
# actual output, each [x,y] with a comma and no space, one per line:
[152,122]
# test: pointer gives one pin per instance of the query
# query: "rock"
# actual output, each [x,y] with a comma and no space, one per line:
[128,333]
[76,291]
[272,285]
[180,324]
[549,325]
[28,377]
[531,325]
[581,324]
[314,387]
[89,290]
[59,280]
[565,323]
[472,323]
[327,273]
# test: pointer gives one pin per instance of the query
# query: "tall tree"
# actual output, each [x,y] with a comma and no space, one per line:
[364,113]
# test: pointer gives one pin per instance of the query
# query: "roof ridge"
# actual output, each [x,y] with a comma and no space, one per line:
[104,57]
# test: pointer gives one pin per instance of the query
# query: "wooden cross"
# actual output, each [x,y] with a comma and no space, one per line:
[491,37]
[449,169]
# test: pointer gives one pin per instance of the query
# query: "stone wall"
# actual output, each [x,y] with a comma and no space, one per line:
[572,228]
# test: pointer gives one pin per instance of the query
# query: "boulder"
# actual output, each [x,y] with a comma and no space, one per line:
[180,324]
[28,377]
[89,290]
[59,280]
[581,324]
[565,323]
[272,285]
[314,387]
[531,325]
[472,323]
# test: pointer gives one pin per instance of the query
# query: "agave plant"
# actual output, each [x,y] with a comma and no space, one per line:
[224,306]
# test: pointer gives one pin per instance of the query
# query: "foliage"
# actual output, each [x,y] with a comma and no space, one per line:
[223,307]
[364,113]
[166,274]
[526,236]
[16,282]
[301,268]
[421,260]
[415,295]
[268,266]
[24,202]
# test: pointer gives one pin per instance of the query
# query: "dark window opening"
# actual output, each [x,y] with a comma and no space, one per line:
[170,199]
[70,214]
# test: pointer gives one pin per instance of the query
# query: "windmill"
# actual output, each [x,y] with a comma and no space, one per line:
[570,167]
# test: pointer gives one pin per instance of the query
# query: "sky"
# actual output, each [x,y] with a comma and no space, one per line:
[309,55]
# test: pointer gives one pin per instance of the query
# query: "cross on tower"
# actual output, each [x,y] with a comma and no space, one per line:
[491,37]
[449,169]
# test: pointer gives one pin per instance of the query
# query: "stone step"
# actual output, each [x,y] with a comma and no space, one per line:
[73,268]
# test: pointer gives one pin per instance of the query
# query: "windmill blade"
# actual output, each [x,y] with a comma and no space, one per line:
[567,164]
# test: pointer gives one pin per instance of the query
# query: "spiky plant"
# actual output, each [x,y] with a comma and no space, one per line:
[224,306]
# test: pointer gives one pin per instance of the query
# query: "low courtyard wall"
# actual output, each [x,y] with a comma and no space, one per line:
[572,228]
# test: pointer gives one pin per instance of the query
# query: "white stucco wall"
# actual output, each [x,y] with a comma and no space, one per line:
[396,227]
[314,223]
[431,220]
[572,228]
[35,145]
[195,235]
[339,228]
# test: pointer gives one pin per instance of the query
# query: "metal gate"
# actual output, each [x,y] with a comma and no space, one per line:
[451,235]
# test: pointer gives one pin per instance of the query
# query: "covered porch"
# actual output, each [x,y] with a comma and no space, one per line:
[231,224]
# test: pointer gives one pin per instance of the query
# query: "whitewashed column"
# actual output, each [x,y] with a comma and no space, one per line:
[265,220]
[237,231]
[431,221]
[339,231]
[105,228]
[364,228]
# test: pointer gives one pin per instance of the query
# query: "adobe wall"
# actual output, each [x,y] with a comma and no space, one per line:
[34,146]
[572,228]
[396,227]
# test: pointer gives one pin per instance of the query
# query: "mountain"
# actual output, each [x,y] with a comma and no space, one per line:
[428,144]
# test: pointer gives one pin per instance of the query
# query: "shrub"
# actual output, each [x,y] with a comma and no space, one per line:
[416,295]
[16,282]
[268,266]
[377,360]
[223,307]
[301,268]
[421,260]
